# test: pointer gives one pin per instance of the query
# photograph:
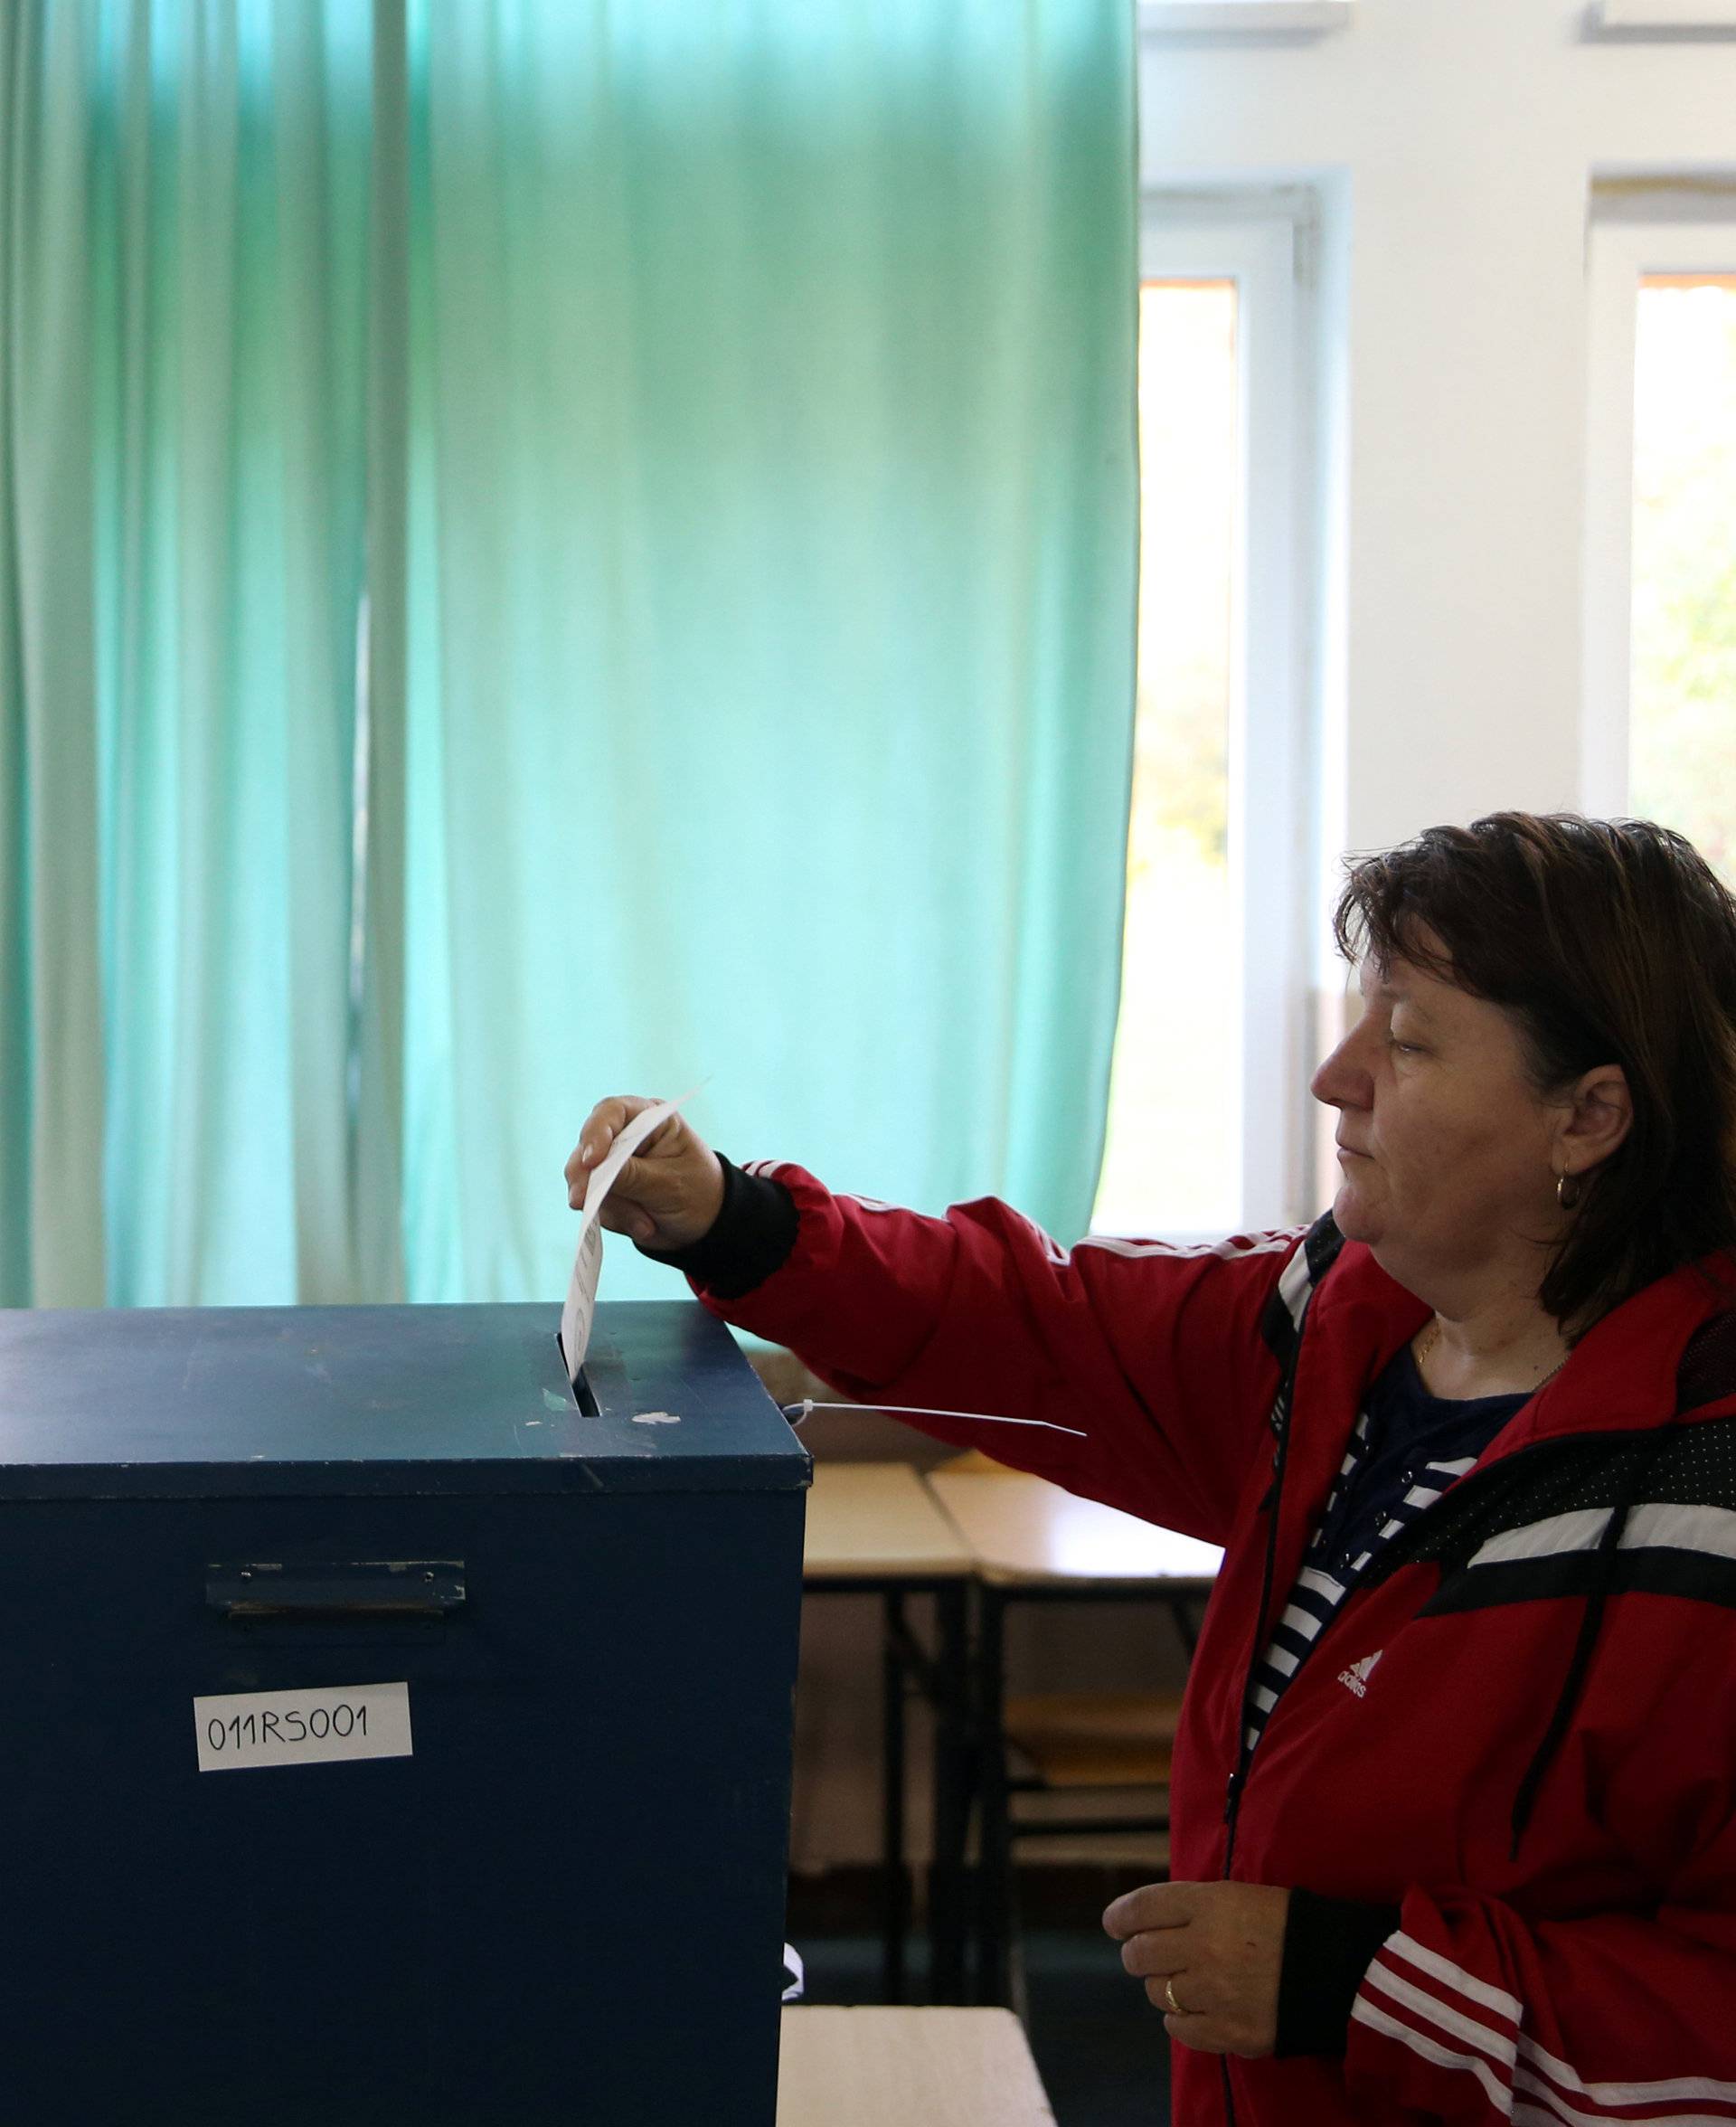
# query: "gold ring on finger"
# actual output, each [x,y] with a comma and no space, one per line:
[1175,2007]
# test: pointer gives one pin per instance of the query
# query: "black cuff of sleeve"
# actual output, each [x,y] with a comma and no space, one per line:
[750,1237]
[1330,1944]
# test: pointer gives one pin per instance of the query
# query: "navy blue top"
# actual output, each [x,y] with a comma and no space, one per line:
[1408,1431]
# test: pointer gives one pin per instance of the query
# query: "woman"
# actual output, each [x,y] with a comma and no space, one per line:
[1454,1802]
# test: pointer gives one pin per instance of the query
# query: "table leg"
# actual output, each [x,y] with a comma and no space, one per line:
[895,1879]
[995,1857]
[952,1795]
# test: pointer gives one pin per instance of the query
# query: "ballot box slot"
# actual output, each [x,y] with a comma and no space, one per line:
[262,1590]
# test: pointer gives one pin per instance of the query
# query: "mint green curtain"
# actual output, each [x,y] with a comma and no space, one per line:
[547,550]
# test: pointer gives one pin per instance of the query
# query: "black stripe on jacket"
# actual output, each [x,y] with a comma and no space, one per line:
[1508,1534]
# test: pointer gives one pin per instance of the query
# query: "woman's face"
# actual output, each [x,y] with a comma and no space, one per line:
[1445,1151]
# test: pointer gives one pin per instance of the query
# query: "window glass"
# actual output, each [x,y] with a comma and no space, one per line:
[1682,724]
[1171,1161]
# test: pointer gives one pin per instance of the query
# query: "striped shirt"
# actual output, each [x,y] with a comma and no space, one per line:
[1408,1447]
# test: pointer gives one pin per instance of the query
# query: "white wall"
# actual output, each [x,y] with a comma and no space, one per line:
[1457,140]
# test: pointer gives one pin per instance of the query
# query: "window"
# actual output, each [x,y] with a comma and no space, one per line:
[1661,558]
[1203,1124]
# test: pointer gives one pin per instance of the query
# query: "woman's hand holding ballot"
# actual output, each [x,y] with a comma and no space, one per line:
[667,1196]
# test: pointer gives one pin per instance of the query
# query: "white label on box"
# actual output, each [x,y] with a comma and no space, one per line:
[246,1728]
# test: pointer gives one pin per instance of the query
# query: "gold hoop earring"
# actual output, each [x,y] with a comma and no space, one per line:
[1566,1202]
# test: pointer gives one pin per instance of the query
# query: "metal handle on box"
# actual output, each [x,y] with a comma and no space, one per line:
[371,1588]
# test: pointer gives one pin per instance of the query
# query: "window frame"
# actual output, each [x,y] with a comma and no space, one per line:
[1668,16]
[1621,253]
[1244,18]
[1265,244]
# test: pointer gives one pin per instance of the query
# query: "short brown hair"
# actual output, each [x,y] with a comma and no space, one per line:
[1605,941]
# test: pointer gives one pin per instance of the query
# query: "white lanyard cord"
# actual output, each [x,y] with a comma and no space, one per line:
[795,1412]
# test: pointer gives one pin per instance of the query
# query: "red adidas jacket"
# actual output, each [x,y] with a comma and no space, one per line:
[1552,1646]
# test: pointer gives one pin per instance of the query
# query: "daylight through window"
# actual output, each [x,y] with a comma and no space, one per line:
[1171,1164]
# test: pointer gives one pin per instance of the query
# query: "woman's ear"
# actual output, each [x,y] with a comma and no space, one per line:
[1601,1116]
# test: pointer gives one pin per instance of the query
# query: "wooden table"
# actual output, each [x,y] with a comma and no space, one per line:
[1032,1541]
[1024,1531]
[878,1521]
[875,1528]
[907,2068]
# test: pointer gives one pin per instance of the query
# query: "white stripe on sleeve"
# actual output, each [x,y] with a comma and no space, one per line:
[1454,1975]
[1443,2056]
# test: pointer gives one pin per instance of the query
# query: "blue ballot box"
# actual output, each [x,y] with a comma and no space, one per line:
[386,1735]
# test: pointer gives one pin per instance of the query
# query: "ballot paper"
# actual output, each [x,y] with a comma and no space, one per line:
[587,1257]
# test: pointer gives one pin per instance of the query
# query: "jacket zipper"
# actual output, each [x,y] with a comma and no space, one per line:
[1270,1505]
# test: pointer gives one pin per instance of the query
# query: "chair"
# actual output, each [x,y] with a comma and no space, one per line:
[1092,1740]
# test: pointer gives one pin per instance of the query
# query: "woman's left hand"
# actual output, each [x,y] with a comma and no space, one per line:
[1221,1947]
